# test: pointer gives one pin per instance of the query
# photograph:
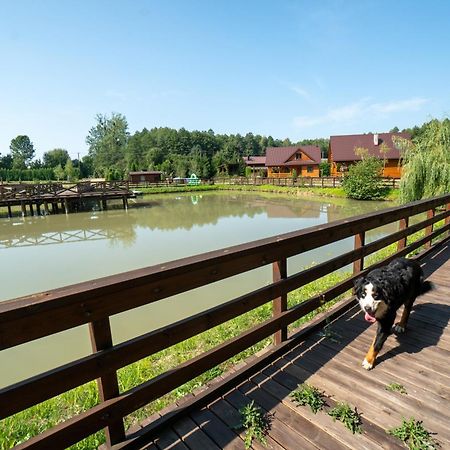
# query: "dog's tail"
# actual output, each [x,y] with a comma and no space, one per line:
[425,287]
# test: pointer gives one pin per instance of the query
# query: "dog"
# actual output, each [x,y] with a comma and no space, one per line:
[380,294]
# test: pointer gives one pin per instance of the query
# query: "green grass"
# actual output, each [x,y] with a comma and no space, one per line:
[396,387]
[256,424]
[309,395]
[414,435]
[348,416]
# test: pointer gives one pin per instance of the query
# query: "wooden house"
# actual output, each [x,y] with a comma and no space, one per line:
[341,153]
[257,164]
[144,176]
[281,162]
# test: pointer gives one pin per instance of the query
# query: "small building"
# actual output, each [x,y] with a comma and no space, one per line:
[145,176]
[341,153]
[257,164]
[281,162]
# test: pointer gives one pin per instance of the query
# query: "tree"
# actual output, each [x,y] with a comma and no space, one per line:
[55,157]
[363,181]
[22,151]
[426,162]
[6,162]
[69,170]
[107,141]
[59,172]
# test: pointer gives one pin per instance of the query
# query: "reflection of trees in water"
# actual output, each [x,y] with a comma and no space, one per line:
[170,212]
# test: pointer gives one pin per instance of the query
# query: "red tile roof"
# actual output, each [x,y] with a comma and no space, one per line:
[278,156]
[343,147]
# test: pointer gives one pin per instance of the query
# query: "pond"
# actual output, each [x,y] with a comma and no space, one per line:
[42,253]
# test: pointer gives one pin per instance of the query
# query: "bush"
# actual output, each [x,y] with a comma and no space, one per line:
[325,169]
[363,181]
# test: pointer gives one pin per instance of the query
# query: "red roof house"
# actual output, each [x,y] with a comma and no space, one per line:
[282,161]
[341,153]
[257,164]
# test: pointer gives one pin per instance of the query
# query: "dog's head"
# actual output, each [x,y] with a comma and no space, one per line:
[373,297]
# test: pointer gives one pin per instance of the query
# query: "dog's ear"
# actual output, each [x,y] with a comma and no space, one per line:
[386,291]
[359,284]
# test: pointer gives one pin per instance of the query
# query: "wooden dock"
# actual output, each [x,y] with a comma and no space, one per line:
[46,198]
[419,360]
[207,418]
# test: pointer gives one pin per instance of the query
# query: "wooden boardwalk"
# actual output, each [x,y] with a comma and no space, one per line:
[419,360]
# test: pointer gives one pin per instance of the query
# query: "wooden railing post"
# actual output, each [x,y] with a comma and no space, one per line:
[404,223]
[447,219]
[429,229]
[108,386]
[279,269]
[358,265]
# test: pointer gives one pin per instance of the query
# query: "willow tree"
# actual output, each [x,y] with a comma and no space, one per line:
[426,162]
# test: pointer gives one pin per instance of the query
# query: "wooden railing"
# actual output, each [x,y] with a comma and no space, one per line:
[286,180]
[28,318]
[19,191]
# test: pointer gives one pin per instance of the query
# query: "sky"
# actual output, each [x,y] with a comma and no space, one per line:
[285,68]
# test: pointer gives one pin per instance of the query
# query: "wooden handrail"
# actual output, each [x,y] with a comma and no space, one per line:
[39,315]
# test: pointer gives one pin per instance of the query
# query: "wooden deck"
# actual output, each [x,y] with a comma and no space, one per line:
[419,360]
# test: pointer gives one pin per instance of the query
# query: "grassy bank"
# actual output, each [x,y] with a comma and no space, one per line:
[391,195]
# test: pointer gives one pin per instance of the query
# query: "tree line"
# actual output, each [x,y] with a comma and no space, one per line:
[113,152]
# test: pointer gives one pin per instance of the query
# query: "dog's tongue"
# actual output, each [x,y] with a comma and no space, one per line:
[369,318]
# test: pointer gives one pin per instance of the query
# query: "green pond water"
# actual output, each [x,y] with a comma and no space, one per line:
[42,253]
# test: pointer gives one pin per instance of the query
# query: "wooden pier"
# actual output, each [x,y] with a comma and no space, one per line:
[51,198]
[207,419]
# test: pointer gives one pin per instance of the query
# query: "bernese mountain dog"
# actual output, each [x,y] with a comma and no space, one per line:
[380,294]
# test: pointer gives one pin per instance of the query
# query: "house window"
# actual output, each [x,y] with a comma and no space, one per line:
[310,169]
[298,156]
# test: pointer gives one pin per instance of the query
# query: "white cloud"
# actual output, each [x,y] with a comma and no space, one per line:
[300,91]
[359,109]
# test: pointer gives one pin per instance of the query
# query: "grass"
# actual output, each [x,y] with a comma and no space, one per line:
[256,424]
[347,415]
[414,435]
[396,387]
[309,395]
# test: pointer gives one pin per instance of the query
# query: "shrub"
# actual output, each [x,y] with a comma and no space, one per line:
[363,181]
[306,394]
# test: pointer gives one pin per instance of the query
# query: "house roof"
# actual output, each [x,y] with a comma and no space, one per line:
[145,172]
[343,147]
[278,156]
[254,160]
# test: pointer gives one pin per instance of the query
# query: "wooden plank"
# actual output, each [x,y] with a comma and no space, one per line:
[169,440]
[281,384]
[192,435]
[229,414]
[297,424]
[221,434]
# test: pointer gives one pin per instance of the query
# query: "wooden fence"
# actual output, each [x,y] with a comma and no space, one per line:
[28,318]
[297,182]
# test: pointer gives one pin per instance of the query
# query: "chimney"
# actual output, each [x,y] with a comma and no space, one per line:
[375,139]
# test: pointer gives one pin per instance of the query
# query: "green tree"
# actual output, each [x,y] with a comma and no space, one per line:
[22,151]
[69,170]
[426,162]
[325,169]
[363,181]
[55,157]
[59,172]
[107,141]
[6,161]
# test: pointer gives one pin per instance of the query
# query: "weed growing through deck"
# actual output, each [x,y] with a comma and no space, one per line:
[348,416]
[255,422]
[306,394]
[328,333]
[414,435]
[396,387]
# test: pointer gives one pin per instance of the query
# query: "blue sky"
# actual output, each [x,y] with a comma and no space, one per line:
[286,68]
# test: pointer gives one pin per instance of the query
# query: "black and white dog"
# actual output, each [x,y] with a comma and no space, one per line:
[381,293]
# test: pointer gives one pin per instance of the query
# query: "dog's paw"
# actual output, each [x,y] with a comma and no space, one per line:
[366,364]
[398,329]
